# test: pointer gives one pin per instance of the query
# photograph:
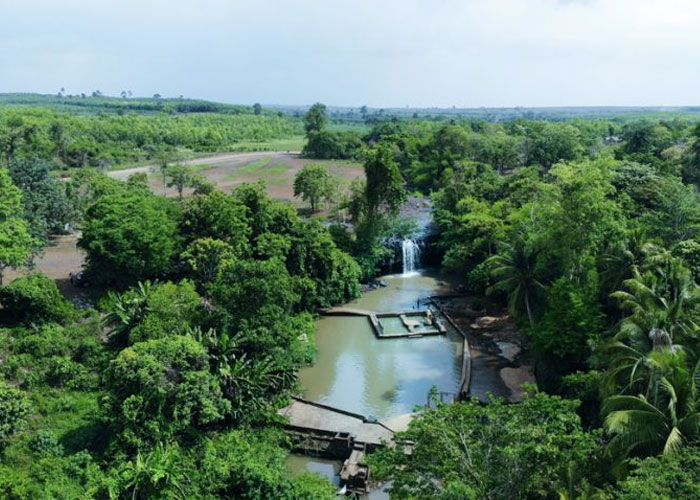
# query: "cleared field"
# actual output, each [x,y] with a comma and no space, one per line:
[225,171]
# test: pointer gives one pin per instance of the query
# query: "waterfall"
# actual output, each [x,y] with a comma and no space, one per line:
[411,256]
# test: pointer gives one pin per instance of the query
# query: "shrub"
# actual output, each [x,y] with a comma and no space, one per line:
[45,443]
[34,299]
[14,409]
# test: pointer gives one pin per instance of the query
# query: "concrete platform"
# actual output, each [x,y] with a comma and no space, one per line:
[317,417]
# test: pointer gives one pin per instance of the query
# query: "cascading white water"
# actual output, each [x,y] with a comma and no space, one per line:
[411,256]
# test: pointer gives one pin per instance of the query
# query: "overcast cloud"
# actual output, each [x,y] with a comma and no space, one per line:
[382,53]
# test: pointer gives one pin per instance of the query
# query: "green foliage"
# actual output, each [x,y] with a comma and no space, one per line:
[254,290]
[14,410]
[572,319]
[669,477]
[249,464]
[46,207]
[216,216]
[46,443]
[162,389]
[462,450]
[16,242]
[664,420]
[331,144]
[169,309]
[384,189]
[34,299]
[204,256]
[128,238]
[315,118]
[313,183]
[104,139]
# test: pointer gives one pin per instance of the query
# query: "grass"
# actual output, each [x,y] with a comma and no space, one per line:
[295,143]
[71,415]
[258,168]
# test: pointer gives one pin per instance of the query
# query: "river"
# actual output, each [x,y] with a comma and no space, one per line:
[384,378]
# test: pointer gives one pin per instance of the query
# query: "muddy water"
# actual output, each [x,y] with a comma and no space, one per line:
[384,378]
[381,377]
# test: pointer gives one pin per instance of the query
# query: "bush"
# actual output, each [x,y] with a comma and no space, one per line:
[478,278]
[45,443]
[34,299]
[14,409]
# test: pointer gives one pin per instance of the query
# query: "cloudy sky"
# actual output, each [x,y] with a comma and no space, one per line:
[467,53]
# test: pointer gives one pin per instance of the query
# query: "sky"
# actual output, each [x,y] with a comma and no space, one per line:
[380,53]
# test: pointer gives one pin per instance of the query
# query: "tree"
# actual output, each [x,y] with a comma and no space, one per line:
[461,450]
[154,474]
[314,182]
[663,421]
[515,270]
[216,216]
[33,299]
[204,257]
[162,390]
[663,305]
[384,188]
[254,289]
[14,411]
[164,158]
[46,207]
[16,243]
[315,118]
[126,311]
[127,238]
[675,476]
[180,178]
[257,109]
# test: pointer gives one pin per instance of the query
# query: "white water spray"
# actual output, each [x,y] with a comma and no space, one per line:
[411,256]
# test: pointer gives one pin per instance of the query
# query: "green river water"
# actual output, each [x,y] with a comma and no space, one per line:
[384,378]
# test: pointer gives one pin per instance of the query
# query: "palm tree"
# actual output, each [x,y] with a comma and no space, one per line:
[621,260]
[663,303]
[514,269]
[128,310]
[663,420]
[664,306]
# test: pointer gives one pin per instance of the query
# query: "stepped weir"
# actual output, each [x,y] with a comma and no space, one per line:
[320,430]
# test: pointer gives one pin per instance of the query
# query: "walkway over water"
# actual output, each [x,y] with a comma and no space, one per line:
[321,430]
[324,419]
[346,311]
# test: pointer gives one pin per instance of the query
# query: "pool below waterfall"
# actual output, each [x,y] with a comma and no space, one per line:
[356,371]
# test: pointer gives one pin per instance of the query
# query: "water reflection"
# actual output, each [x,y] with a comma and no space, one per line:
[358,372]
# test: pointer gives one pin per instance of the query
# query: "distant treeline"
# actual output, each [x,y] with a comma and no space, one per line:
[106,139]
[364,114]
[98,103]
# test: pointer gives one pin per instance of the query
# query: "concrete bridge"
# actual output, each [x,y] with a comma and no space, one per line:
[320,430]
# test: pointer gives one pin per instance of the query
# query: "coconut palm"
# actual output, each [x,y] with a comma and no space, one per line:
[664,419]
[663,304]
[514,269]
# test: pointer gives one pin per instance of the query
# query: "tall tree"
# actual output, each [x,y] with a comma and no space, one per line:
[16,242]
[515,271]
[315,118]
[385,186]
[313,183]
